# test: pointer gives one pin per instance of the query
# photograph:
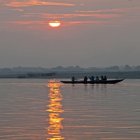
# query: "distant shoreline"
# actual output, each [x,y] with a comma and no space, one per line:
[69,74]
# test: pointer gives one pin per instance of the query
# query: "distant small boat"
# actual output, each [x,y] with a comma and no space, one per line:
[94,82]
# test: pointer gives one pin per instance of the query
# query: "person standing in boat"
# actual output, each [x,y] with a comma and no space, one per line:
[85,79]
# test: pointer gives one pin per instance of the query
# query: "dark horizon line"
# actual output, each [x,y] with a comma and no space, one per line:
[125,65]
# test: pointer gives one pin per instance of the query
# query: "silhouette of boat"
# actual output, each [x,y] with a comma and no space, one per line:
[94,82]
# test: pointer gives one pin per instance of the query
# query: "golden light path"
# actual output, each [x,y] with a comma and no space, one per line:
[54,24]
[55,110]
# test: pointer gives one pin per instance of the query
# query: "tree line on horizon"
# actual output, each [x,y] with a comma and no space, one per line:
[70,68]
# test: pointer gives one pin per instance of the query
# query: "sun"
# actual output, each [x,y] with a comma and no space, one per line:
[54,24]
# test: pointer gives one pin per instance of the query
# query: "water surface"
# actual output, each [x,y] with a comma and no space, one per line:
[34,110]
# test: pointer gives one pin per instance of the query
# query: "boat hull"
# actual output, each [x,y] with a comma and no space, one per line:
[93,82]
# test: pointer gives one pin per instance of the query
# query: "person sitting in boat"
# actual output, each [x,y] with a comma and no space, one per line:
[73,79]
[85,79]
[105,78]
[92,78]
[102,78]
[97,78]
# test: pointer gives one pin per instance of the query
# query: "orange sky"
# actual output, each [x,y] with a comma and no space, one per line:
[112,23]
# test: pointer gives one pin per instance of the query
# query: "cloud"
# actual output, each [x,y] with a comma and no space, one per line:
[28,3]
[41,25]
[71,16]
[81,15]
[98,17]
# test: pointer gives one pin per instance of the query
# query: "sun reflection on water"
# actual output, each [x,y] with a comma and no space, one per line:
[55,109]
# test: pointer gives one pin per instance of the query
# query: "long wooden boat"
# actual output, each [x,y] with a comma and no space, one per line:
[94,82]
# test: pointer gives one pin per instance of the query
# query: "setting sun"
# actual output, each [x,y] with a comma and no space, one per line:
[54,24]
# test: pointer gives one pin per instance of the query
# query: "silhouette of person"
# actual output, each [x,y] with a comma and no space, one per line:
[102,78]
[85,79]
[92,78]
[73,79]
[97,78]
[105,77]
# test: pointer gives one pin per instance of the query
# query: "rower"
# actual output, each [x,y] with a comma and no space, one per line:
[102,78]
[97,78]
[85,79]
[91,78]
[73,79]
[105,78]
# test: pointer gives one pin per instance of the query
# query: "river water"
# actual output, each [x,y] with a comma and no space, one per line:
[33,109]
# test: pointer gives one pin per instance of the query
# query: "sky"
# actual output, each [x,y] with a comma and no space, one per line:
[91,33]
